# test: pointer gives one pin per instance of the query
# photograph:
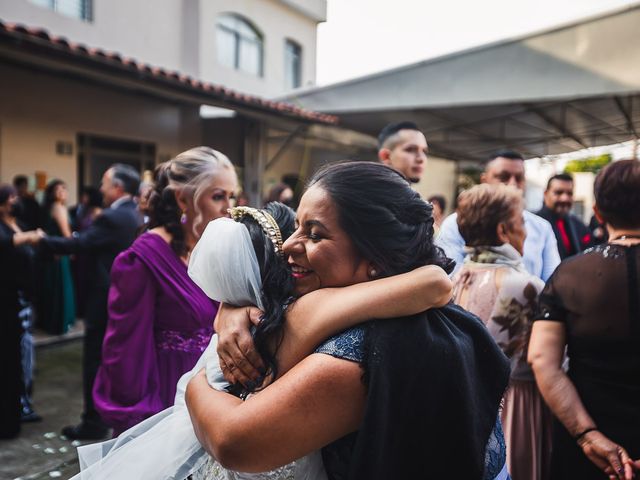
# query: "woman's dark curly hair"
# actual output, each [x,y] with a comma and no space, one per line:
[192,170]
[277,283]
[388,222]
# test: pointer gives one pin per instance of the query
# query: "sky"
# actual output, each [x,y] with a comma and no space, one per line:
[366,36]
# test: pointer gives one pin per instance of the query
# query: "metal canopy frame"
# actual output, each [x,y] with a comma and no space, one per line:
[473,133]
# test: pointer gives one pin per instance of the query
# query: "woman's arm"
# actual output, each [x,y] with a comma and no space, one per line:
[127,388]
[546,350]
[61,216]
[325,312]
[320,314]
[319,400]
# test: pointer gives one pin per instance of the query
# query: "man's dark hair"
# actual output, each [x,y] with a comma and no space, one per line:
[126,176]
[440,200]
[563,177]
[617,192]
[510,154]
[20,180]
[393,128]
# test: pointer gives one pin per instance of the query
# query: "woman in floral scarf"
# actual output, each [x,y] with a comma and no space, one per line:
[494,285]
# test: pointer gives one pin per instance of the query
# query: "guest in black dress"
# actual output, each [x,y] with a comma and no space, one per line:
[591,304]
[16,281]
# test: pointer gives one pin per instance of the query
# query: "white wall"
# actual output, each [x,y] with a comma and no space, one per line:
[150,35]
[439,178]
[181,34]
[276,22]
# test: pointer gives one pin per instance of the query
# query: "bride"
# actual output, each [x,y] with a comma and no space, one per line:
[241,263]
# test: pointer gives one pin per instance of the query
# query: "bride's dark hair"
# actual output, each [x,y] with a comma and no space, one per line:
[277,283]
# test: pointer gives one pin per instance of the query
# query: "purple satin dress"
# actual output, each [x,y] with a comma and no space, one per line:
[160,322]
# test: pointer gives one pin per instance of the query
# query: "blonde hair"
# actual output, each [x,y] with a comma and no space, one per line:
[482,208]
[190,172]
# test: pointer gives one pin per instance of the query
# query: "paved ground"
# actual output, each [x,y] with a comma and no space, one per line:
[40,452]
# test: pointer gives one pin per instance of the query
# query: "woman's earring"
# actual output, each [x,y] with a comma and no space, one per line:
[183,218]
[373,272]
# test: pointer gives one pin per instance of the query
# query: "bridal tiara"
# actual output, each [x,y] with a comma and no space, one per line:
[266,222]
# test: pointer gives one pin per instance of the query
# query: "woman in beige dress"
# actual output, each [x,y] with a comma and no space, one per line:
[494,285]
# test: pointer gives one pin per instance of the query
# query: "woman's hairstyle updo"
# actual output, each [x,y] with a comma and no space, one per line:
[482,208]
[388,222]
[191,171]
[617,192]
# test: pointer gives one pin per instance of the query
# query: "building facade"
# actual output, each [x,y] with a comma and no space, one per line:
[262,47]
[85,84]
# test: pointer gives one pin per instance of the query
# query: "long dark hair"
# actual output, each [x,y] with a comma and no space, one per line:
[50,193]
[277,284]
[388,222]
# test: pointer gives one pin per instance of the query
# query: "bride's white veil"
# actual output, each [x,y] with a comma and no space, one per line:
[224,265]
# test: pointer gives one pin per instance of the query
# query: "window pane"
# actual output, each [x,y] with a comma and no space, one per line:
[293,65]
[44,3]
[226,47]
[72,8]
[250,57]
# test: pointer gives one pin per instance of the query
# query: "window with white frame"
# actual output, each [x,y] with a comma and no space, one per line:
[239,45]
[292,64]
[80,9]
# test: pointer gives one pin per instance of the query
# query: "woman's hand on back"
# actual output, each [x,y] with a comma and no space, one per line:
[239,359]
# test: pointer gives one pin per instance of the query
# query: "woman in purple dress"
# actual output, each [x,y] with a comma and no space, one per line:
[160,322]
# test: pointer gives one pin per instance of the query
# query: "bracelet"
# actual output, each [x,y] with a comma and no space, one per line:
[584,432]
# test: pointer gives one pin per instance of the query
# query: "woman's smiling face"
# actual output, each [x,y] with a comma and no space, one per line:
[320,252]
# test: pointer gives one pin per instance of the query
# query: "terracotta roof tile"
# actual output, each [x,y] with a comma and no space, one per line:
[118,60]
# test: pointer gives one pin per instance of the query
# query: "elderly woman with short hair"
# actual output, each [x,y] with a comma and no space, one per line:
[591,306]
[494,285]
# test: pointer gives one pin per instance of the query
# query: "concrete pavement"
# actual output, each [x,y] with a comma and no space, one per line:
[40,452]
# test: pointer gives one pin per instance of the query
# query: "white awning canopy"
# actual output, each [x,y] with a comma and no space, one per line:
[558,91]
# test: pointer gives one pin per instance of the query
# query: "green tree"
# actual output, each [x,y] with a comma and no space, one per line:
[590,164]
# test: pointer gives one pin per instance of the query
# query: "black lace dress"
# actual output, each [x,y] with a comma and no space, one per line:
[596,295]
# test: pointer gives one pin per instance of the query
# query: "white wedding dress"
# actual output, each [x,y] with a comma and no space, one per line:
[165,446]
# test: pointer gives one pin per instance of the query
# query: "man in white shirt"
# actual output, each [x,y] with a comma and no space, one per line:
[540,247]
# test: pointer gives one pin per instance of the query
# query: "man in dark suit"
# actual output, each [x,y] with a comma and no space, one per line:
[111,232]
[572,235]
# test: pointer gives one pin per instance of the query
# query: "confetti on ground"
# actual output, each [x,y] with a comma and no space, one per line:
[49,451]
[76,443]
[37,446]
[55,474]
[63,449]
[50,435]
[62,437]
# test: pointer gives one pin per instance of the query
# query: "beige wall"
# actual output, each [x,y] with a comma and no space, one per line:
[181,34]
[38,110]
[276,22]
[439,178]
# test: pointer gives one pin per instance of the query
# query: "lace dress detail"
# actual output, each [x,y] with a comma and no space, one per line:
[347,345]
[305,468]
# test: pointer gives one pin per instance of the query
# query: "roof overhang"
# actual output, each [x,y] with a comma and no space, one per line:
[553,92]
[36,49]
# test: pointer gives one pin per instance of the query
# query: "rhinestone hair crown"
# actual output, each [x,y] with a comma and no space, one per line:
[266,222]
